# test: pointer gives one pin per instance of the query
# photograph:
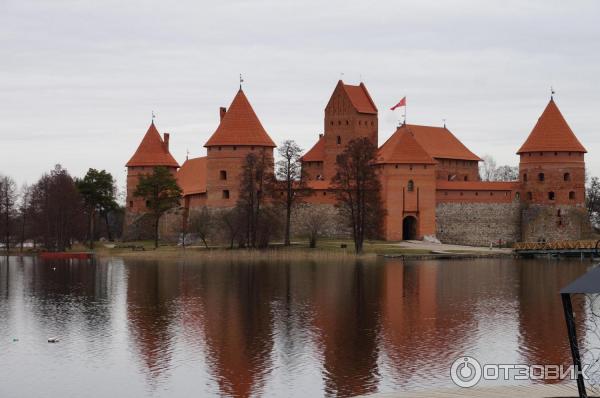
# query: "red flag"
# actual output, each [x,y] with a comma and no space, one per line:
[399,104]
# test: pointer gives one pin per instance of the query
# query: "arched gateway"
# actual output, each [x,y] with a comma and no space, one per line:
[409,228]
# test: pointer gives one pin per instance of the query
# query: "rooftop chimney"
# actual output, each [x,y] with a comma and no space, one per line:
[166,140]
[222,112]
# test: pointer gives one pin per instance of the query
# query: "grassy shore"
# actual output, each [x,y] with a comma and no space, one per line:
[326,249]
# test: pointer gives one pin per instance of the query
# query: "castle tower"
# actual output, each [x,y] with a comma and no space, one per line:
[350,113]
[153,151]
[408,181]
[239,133]
[552,175]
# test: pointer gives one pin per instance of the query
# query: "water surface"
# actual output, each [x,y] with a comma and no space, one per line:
[176,329]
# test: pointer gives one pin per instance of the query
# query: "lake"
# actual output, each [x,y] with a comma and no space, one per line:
[180,328]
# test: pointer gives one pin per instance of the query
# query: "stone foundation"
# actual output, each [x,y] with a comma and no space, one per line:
[478,224]
[552,223]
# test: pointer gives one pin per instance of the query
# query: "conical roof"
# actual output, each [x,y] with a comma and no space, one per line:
[551,133]
[152,151]
[402,147]
[240,126]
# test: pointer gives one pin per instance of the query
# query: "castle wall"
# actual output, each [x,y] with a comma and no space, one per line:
[552,223]
[457,170]
[478,224]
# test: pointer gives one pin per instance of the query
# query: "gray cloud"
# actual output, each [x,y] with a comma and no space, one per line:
[78,80]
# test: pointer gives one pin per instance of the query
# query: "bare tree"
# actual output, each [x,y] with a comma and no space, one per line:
[24,213]
[8,201]
[291,182]
[201,224]
[487,168]
[506,173]
[230,221]
[315,223]
[592,201]
[358,190]
[256,184]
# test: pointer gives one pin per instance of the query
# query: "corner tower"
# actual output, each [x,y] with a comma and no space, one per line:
[552,175]
[153,151]
[239,133]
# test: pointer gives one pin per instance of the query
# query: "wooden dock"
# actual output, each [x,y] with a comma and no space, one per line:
[566,248]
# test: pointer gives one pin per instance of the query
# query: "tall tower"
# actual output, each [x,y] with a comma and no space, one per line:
[153,151]
[238,134]
[552,175]
[350,113]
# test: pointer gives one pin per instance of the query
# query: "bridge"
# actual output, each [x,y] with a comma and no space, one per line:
[579,248]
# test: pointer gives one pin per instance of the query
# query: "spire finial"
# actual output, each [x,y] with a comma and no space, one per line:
[187,154]
[552,92]
[241,81]
[341,75]
[153,116]
[444,120]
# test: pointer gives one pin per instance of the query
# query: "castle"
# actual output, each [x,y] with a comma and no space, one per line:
[430,179]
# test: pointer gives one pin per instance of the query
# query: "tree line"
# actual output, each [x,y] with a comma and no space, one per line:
[59,210]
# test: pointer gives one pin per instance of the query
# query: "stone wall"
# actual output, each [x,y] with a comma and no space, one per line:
[478,224]
[551,223]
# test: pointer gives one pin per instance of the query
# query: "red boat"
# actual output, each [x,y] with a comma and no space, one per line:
[65,255]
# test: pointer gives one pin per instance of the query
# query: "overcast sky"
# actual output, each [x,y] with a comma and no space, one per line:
[79,80]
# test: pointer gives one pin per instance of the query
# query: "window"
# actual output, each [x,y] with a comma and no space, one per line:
[466,178]
[567,176]
[396,166]
[324,193]
[491,194]
[551,195]
[529,196]
[410,167]
[347,122]
[411,186]
[339,140]
[226,194]
[476,193]
[223,174]
[339,122]
[572,195]
[219,148]
[525,177]
[147,203]
[131,203]
[541,177]
[331,123]
[235,148]
[360,123]
[518,195]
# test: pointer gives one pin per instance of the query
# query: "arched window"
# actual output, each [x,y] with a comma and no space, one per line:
[567,176]
[572,195]
[551,195]
[541,177]
[411,186]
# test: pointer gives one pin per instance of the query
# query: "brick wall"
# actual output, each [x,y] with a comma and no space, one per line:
[478,224]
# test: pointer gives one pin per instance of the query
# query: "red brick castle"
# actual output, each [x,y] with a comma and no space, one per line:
[430,179]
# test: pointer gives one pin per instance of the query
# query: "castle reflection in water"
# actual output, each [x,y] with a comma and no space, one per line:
[295,329]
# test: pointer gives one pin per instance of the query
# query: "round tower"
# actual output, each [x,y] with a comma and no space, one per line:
[239,133]
[552,176]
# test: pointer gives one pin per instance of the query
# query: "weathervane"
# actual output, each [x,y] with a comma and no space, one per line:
[241,81]
[552,92]
[153,116]
[444,120]
[187,154]
[341,75]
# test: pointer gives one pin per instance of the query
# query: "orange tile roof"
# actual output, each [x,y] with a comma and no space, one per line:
[476,185]
[440,143]
[152,151]
[192,176]
[551,133]
[402,147]
[360,98]
[240,126]
[316,153]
